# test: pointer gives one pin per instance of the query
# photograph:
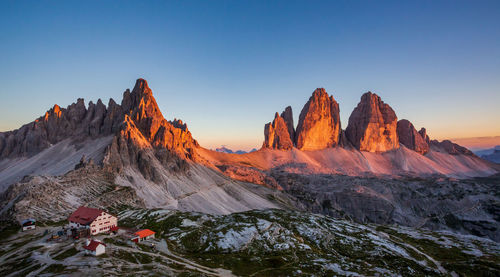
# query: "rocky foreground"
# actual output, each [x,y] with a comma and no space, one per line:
[254,243]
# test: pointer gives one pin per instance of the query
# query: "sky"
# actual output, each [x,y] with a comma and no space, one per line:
[225,67]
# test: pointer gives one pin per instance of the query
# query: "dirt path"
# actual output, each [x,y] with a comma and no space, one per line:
[438,264]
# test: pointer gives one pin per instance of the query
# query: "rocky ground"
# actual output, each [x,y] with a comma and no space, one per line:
[254,243]
[53,198]
[30,254]
[466,206]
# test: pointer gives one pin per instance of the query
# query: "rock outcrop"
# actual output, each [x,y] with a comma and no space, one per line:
[450,148]
[409,137]
[423,134]
[372,125]
[287,115]
[276,134]
[319,122]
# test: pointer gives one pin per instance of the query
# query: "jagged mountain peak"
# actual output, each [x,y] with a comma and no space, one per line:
[140,103]
[287,115]
[277,134]
[141,86]
[78,121]
[319,92]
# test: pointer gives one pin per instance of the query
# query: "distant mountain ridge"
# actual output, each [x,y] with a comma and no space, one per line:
[224,149]
[478,143]
[492,154]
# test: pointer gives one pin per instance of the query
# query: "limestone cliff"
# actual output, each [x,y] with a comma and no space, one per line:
[372,125]
[319,122]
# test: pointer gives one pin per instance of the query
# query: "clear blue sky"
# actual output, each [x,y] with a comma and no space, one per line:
[225,67]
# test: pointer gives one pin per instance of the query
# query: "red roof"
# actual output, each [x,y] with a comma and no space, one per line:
[144,233]
[93,245]
[114,228]
[84,215]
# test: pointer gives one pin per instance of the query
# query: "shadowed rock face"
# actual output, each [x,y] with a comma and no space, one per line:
[423,134]
[58,124]
[373,125]
[146,137]
[287,115]
[138,109]
[319,122]
[450,148]
[415,202]
[276,134]
[409,137]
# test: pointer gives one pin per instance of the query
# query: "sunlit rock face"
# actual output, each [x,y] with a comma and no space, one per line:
[319,122]
[141,106]
[409,137]
[276,134]
[372,125]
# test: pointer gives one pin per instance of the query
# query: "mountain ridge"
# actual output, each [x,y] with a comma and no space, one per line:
[137,123]
[154,163]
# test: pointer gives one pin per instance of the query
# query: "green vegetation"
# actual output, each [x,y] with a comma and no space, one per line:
[452,258]
[124,255]
[133,257]
[61,222]
[8,229]
[143,258]
[56,269]
[115,241]
[15,265]
[268,243]
[65,254]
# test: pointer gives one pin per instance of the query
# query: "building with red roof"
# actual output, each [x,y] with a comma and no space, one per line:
[143,235]
[28,224]
[94,247]
[97,220]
